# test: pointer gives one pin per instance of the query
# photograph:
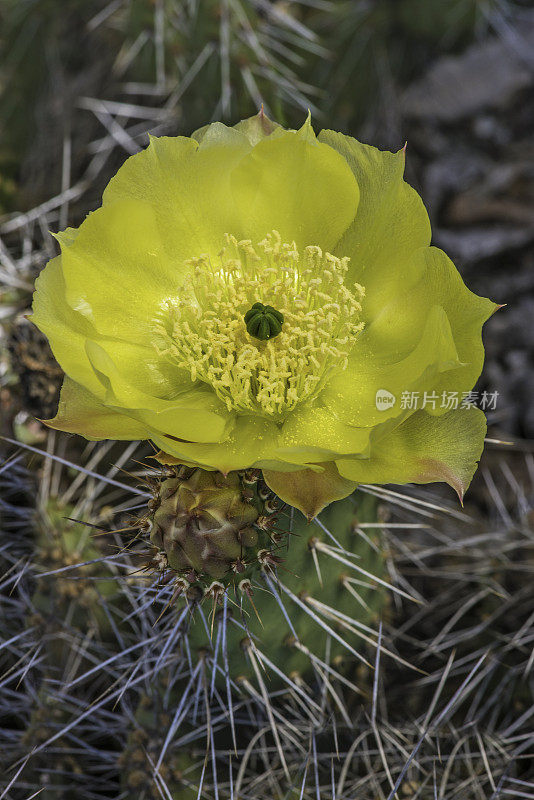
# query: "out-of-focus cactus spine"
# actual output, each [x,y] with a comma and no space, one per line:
[180,771]
[69,608]
[75,597]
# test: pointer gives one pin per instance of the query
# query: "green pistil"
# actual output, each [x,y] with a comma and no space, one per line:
[263,322]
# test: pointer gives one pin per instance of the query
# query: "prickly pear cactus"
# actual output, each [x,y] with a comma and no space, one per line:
[82,596]
[262,582]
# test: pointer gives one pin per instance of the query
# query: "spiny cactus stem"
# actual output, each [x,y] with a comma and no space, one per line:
[206,523]
[272,505]
[346,583]
[329,551]
[269,709]
[239,566]
[265,523]
[181,586]
[264,493]
[267,559]
[216,591]
[322,624]
[322,665]
[245,587]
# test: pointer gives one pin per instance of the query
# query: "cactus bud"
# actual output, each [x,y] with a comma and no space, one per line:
[206,523]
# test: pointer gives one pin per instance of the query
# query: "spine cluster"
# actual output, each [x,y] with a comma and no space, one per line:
[211,530]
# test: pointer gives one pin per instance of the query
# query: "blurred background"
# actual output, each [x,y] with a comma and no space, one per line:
[83,82]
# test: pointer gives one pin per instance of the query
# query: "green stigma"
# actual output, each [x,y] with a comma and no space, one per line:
[263,322]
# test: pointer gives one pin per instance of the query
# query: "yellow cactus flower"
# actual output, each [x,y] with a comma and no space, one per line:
[261,297]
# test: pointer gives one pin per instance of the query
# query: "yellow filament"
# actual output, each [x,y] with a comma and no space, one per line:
[202,329]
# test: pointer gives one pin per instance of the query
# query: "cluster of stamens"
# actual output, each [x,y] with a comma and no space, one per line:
[203,329]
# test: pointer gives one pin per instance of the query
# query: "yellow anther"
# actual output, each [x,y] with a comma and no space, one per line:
[202,329]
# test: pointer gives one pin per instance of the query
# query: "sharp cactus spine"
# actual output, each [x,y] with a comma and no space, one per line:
[103,707]
[288,595]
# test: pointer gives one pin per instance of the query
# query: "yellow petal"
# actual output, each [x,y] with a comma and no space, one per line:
[424,449]
[301,188]
[195,415]
[257,127]
[81,412]
[118,270]
[250,440]
[189,188]
[313,434]
[66,330]
[427,338]
[307,490]
[382,361]
[391,223]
